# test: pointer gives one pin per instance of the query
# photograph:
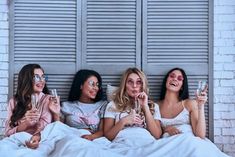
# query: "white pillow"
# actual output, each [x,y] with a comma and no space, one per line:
[110,91]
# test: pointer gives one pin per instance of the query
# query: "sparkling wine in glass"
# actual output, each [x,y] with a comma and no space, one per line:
[137,107]
[54,93]
[202,84]
[33,101]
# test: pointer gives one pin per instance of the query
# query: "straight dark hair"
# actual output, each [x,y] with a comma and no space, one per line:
[79,79]
[24,90]
[183,94]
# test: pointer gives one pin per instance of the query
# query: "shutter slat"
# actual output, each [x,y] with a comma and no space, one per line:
[175,34]
[176,26]
[43,28]
[110,34]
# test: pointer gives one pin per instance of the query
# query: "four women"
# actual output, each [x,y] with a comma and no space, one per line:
[130,112]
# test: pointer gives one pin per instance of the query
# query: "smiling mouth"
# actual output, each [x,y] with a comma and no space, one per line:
[173,84]
[39,86]
[93,93]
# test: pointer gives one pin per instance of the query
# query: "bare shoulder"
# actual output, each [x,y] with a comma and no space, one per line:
[190,104]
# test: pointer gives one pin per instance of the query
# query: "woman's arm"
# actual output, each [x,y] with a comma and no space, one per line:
[111,129]
[9,130]
[97,134]
[25,123]
[197,115]
[153,125]
[12,130]
[100,132]
[46,116]
[54,107]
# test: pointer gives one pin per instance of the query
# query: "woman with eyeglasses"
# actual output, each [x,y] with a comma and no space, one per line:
[131,115]
[23,114]
[184,118]
[175,104]
[84,109]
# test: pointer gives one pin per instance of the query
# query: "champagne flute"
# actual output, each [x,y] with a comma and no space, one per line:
[54,93]
[34,101]
[137,107]
[202,84]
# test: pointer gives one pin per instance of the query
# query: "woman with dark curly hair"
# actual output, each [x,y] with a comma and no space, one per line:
[85,107]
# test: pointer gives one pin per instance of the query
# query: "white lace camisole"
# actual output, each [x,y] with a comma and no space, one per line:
[181,122]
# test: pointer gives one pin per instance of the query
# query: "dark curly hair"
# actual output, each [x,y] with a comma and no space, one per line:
[79,79]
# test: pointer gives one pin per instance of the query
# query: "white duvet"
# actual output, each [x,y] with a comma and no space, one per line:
[60,140]
[137,142]
[57,140]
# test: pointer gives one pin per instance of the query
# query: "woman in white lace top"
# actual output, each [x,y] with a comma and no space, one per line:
[184,117]
[178,112]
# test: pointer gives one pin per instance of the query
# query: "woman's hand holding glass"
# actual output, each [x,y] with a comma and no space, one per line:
[201,94]
[32,117]
[132,119]
[54,104]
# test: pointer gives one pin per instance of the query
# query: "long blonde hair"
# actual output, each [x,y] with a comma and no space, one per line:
[121,99]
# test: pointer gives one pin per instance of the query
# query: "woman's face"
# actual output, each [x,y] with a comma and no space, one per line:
[133,85]
[174,81]
[38,81]
[90,88]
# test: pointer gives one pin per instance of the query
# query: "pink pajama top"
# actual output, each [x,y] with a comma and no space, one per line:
[45,116]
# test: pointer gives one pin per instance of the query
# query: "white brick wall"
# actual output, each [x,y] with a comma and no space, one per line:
[224,75]
[224,71]
[4,61]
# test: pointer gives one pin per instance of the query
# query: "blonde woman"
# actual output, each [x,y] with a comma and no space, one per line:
[122,118]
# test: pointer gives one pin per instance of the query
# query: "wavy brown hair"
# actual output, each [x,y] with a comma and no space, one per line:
[22,98]
[122,100]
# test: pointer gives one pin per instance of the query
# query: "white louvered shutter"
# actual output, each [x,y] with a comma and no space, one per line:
[176,34]
[44,32]
[111,35]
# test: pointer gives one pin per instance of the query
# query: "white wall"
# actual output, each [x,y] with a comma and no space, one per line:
[4,61]
[224,75]
[224,71]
